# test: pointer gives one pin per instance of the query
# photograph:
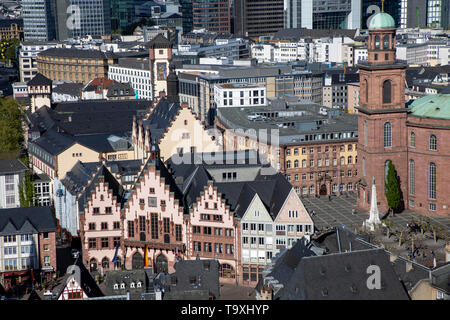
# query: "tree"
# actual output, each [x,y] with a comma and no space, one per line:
[392,188]
[390,224]
[11,131]
[26,191]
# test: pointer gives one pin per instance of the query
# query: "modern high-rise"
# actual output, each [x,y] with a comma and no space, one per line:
[123,13]
[323,14]
[212,15]
[186,13]
[425,13]
[39,20]
[47,20]
[254,18]
[89,17]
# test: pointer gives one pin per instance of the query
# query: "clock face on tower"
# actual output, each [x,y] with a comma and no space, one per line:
[161,71]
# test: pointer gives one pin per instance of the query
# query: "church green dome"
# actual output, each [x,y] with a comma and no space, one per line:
[382,20]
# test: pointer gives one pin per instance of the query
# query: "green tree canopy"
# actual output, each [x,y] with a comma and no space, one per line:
[392,187]
[11,131]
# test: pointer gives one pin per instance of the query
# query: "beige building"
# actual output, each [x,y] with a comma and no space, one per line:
[76,65]
[175,128]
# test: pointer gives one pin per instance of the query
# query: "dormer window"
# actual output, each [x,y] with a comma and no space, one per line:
[122,285]
[132,285]
[139,284]
[116,286]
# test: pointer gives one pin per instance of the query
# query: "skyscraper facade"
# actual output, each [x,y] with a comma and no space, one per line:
[323,14]
[254,18]
[39,20]
[212,15]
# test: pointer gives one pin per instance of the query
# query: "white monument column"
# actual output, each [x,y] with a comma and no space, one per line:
[374,219]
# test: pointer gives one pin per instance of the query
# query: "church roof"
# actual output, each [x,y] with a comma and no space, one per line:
[382,20]
[432,106]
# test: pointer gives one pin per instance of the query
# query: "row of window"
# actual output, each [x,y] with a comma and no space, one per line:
[104,226]
[431,179]
[209,231]
[23,238]
[319,174]
[334,188]
[320,162]
[319,149]
[207,247]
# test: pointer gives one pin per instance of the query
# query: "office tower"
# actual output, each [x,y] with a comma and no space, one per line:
[186,12]
[425,13]
[254,18]
[39,20]
[212,15]
[323,14]
[123,12]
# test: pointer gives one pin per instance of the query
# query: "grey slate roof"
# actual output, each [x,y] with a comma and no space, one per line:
[54,142]
[138,64]
[79,175]
[40,80]
[159,41]
[272,190]
[26,220]
[72,89]
[114,90]
[97,116]
[160,118]
[127,277]
[113,185]
[77,53]
[11,166]
[79,272]
[206,276]
[343,277]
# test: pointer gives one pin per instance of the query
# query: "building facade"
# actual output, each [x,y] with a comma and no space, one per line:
[12,173]
[249,14]
[76,65]
[136,72]
[212,15]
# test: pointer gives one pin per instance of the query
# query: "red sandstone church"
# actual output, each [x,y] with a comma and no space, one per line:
[416,137]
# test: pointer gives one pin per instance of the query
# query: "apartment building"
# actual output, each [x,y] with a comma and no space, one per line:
[313,146]
[239,95]
[11,174]
[197,87]
[28,52]
[136,72]
[27,243]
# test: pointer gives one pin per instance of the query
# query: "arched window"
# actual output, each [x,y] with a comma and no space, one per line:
[312,189]
[105,263]
[377,42]
[387,135]
[387,91]
[432,181]
[366,85]
[412,140]
[386,168]
[303,163]
[411,177]
[132,285]
[296,164]
[93,265]
[365,132]
[385,42]
[349,159]
[342,161]
[288,164]
[433,142]
[364,167]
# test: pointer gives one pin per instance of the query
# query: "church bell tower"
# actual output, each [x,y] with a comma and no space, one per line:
[381,114]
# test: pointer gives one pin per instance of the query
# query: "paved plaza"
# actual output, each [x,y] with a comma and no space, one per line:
[338,212]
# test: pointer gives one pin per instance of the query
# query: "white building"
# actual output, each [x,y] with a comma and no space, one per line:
[262,52]
[27,58]
[239,94]
[11,175]
[136,72]
[20,90]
